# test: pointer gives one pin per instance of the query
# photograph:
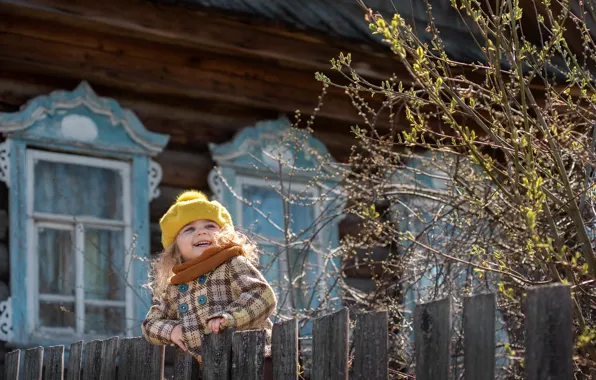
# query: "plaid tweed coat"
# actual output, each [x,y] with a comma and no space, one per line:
[235,290]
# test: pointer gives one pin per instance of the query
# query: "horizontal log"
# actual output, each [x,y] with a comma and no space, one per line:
[191,124]
[357,266]
[166,71]
[166,197]
[184,27]
[4,263]
[3,224]
[184,169]
[126,48]
[181,26]
[155,237]
[4,291]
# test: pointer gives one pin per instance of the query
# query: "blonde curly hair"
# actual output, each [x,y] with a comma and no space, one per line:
[161,267]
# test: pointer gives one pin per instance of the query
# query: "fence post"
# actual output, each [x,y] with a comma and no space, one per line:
[284,350]
[432,337]
[109,351]
[371,340]
[73,372]
[549,333]
[54,363]
[330,346]
[217,355]
[140,360]
[479,337]
[12,363]
[186,366]
[33,364]
[92,360]
[248,355]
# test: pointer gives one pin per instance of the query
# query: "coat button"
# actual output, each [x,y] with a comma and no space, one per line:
[202,279]
[182,288]
[202,300]
[183,307]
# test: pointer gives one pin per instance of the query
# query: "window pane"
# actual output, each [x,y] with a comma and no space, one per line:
[56,262]
[269,202]
[303,278]
[71,189]
[273,265]
[104,320]
[104,265]
[269,265]
[56,314]
[302,218]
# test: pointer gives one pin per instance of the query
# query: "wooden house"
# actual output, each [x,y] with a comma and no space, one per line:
[110,109]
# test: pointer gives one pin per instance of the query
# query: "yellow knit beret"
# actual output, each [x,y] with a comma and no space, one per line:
[190,206]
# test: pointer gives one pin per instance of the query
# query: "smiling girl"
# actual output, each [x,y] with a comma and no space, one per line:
[205,279]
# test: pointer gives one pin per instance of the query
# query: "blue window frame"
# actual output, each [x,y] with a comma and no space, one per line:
[416,214]
[253,170]
[80,180]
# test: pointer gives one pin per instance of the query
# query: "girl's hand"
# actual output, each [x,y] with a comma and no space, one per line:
[176,337]
[216,324]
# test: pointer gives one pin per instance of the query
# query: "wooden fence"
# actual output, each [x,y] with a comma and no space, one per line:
[548,355]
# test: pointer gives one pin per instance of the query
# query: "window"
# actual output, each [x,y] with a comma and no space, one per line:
[80,177]
[429,178]
[264,219]
[80,222]
[251,170]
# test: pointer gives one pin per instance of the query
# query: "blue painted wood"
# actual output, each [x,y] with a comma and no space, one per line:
[228,198]
[423,175]
[42,120]
[244,157]
[18,242]
[268,133]
[56,121]
[140,227]
[82,149]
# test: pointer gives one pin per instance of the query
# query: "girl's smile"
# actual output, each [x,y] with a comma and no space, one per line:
[195,238]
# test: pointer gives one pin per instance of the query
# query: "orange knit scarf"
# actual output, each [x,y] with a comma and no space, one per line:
[209,260]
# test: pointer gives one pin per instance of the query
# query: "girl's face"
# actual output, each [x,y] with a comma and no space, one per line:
[194,238]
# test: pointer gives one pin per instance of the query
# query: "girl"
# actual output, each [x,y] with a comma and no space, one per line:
[204,280]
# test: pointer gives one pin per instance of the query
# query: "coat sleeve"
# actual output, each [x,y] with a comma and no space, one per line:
[256,300]
[161,320]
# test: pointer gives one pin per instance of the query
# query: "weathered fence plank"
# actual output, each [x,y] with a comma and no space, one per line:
[248,354]
[186,366]
[126,363]
[371,342]
[33,364]
[73,371]
[549,333]
[109,351]
[479,337]
[432,338]
[284,350]
[229,355]
[11,364]
[140,359]
[330,346]
[217,355]
[54,363]
[92,360]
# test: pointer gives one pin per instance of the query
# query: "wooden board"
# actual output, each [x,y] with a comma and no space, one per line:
[164,69]
[183,27]
[330,346]
[432,337]
[284,350]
